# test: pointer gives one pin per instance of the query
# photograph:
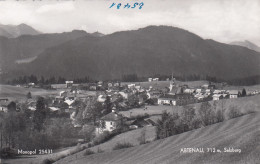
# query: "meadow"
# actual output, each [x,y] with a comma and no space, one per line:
[238,133]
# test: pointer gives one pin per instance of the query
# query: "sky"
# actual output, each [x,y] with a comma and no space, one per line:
[222,20]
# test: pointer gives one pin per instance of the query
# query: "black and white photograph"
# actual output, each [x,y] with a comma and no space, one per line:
[129,81]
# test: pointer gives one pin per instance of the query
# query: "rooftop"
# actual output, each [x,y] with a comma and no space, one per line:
[113,116]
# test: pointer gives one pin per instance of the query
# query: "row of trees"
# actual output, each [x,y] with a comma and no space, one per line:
[28,130]
[252,80]
[189,118]
[45,81]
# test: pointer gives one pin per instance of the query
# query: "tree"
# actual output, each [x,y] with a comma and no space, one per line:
[108,105]
[168,125]
[206,114]
[142,138]
[92,111]
[234,112]
[40,114]
[187,116]
[29,95]
[133,101]
[220,116]
[243,92]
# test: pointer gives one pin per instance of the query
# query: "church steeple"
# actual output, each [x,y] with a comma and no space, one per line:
[172,82]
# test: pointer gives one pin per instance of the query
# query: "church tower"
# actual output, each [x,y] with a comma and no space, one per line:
[172,83]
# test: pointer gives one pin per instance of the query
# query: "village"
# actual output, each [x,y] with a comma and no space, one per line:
[121,97]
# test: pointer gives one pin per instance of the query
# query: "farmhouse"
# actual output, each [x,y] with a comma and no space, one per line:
[217,97]
[7,106]
[153,94]
[233,94]
[131,86]
[69,84]
[178,99]
[189,90]
[101,98]
[167,100]
[110,122]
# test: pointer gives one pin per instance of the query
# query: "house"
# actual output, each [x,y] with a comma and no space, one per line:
[109,85]
[131,86]
[3,99]
[208,91]
[150,79]
[63,93]
[58,99]
[32,105]
[92,87]
[69,84]
[54,109]
[3,107]
[140,123]
[175,90]
[217,97]
[189,90]
[167,100]
[217,91]
[233,94]
[150,122]
[125,94]
[178,99]
[31,84]
[7,106]
[100,84]
[138,87]
[198,90]
[110,121]
[101,98]
[155,79]
[211,86]
[205,86]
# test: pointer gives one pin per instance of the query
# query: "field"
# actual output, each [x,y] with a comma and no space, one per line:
[19,93]
[163,84]
[239,133]
[244,104]
[130,137]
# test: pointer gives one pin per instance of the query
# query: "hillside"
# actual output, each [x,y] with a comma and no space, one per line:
[30,46]
[145,52]
[13,31]
[239,133]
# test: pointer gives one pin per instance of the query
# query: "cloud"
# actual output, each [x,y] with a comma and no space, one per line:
[58,7]
[221,20]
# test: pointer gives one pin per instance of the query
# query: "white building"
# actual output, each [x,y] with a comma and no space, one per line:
[233,94]
[110,122]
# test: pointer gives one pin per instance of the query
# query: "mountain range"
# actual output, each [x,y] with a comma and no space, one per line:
[13,31]
[247,44]
[145,52]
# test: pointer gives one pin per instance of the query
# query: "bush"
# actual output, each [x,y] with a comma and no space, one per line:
[105,136]
[89,145]
[234,112]
[8,153]
[122,146]
[77,149]
[100,150]
[47,161]
[88,152]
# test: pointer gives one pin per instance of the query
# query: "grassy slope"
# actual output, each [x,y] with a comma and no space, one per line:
[242,133]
